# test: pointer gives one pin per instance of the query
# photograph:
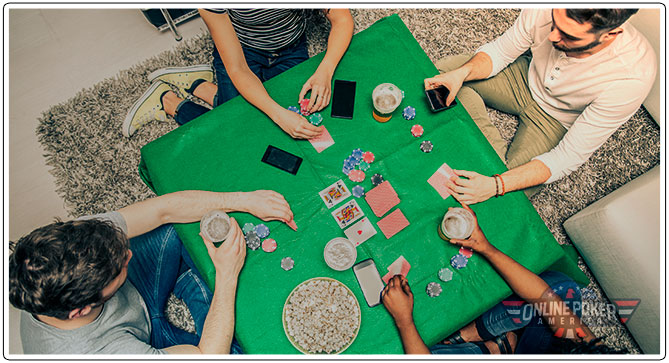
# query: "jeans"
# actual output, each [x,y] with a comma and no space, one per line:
[159,266]
[263,64]
[513,314]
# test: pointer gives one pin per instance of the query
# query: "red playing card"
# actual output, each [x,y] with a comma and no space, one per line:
[322,142]
[382,198]
[393,223]
[401,266]
[439,178]
[292,225]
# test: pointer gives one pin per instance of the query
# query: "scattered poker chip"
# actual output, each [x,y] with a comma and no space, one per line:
[417,130]
[459,261]
[357,154]
[248,227]
[269,245]
[294,109]
[357,176]
[467,252]
[261,230]
[303,107]
[445,274]
[358,191]
[377,179]
[433,289]
[409,113]
[287,263]
[402,94]
[363,166]
[252,240]
[426,146]
[316,119]
[368,157]
[346,170]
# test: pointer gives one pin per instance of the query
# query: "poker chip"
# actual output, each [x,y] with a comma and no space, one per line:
[287,263]
[426,146]
[357,154]
[252,240]
[363,166]
[368,157]
[377,179]
[409,113]
[303,107]
[269,245]
[351,160]
[467,252]
[417,130]
[261,230]
[445,274]
[459,261]
[294,109]
[316,119]
[346,170]
[356,176]
[433,289]
[358,191]
[248,227]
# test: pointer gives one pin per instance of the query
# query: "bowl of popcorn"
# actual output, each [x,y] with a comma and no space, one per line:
[321,316]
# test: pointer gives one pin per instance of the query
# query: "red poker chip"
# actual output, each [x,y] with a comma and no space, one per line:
[417,130]
[269,245]
[368,157]
[356,176]
[467,252]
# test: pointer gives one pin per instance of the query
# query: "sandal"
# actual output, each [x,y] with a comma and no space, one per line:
[503,344]
[455,338]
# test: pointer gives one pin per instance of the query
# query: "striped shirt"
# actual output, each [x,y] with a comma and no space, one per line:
[266,29]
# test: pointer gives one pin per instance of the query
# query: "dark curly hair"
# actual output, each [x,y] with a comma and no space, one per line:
[65,265]
[602,20]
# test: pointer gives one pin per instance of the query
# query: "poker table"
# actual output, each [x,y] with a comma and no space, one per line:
[222,151]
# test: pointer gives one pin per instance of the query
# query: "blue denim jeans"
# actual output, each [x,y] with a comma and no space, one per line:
[159,266]
[513,314]
[263,64]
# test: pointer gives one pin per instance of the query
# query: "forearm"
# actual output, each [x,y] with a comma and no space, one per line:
[411,340]
[219,325]
[338,40]
[526,284]
[253,91]
[525,176]
[478,67]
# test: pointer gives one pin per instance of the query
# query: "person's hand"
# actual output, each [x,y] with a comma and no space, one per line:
[398,300]
[477,241]
[475,189]
[320,84]
[267,205]
[229,257]
[296,126]
[452,80]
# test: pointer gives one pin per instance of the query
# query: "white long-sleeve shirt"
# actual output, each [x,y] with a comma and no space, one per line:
[591,97]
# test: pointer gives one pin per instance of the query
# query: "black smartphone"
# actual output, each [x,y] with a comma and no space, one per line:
[369,280]
[343,99]
[282,159]
[437,97]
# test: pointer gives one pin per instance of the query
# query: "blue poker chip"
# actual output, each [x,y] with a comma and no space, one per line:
[262,231]
[358,191]
[346,170]
[459,261]
[248,227]
[409,113]
[351,160]
[294,109]
[357,154]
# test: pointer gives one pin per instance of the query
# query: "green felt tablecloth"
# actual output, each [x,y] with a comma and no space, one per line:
[221,151]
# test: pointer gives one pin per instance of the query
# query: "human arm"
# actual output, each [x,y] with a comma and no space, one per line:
[398,300]
[247,83]
[219,325]
[190,205]
[320,83]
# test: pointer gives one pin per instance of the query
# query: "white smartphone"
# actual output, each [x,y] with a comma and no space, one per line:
[369,280]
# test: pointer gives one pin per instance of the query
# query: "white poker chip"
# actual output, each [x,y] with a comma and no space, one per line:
[287,263]
[433,289]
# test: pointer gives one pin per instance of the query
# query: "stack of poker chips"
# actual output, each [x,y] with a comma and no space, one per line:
[360,160]
[253,234]
[303,107]
[409,113]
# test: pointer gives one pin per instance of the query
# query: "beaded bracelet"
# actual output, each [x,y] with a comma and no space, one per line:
[496,186]
[502,181]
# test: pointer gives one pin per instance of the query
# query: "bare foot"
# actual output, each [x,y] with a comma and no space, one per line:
[468,334]
[494,349]
[170,102]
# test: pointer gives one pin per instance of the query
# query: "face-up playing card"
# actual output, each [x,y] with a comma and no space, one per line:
[334,194]
[322,142]
[393,223]
[439,178]
[360,232]
[347,214]
[382,198]
[400,267]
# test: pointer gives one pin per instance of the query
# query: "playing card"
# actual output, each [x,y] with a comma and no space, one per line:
[334,194]
[400,267]
[393,223]
[292,225]
[347,214]
[322,142]
[382,198]
[439,178]
[360,232]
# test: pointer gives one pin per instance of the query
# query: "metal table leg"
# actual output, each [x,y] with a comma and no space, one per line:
[170,23]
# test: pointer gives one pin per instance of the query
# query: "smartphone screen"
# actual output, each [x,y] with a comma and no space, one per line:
[437,98]
[369,280]
[282,159]
[343,99]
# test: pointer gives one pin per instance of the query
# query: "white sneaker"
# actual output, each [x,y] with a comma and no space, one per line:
[147,108]
[183,77]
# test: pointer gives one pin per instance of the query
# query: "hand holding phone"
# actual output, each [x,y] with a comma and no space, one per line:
[437,98]
[369,280]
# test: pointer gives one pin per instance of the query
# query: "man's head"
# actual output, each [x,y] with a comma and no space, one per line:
[64,268]
[582,30]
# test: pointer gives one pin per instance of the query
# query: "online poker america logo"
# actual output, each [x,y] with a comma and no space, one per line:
[584,303]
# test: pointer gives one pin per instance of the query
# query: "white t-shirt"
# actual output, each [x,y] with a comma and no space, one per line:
[591,97]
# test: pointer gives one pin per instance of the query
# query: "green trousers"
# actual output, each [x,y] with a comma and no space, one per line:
[508,92]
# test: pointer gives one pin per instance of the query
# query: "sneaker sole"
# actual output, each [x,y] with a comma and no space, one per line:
[169,70]
[128,118]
